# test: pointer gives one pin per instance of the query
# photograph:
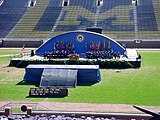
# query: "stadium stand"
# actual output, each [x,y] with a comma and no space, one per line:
[65,117]
[50,15]
[25,27]
[89,4]
[104,16]
[119,19]
[11,12]
[146,17]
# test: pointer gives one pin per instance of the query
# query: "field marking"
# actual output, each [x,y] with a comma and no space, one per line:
[45,99]
[18,48]
[9,55]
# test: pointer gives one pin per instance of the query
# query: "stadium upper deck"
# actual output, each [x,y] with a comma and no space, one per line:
[119,19]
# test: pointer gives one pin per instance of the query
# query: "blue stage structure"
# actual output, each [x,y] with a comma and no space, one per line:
[68,75]
[79,42]
[82,48]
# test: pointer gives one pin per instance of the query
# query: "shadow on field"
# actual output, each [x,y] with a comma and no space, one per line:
[5,66]
[26,83]
[46,96]
[85,84]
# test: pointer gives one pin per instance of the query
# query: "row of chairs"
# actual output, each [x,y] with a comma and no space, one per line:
[53,117]
[58,54]
[89,54]
[102,55]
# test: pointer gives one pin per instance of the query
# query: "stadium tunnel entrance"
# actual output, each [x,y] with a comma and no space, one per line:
[79,42]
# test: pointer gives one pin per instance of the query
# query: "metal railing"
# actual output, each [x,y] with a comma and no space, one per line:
[16,107]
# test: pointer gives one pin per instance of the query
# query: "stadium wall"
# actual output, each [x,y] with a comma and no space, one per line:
[19,42]
[31,42]
[140,43]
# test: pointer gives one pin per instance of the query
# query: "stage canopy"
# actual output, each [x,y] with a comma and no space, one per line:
[80,42]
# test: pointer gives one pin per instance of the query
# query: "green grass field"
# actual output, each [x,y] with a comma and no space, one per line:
[118,86]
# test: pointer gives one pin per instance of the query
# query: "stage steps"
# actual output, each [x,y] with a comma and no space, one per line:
[61,78]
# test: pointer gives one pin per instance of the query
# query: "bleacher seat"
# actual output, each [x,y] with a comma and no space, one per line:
[145,16]
[49,18]
[87,15]
[11,12]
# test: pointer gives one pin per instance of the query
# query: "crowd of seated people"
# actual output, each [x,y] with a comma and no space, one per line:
[61,50]
[58,54]
[53,117]
[102,54]
[64,50]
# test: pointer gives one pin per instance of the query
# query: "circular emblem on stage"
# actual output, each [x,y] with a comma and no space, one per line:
[80,38]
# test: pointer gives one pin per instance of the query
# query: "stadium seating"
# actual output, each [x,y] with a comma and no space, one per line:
[109,4]
[25,28]
[49,18]
[86,16]
[146,17]
[87,4]
[55,3]
[11,12]
[54,117]
[50,15]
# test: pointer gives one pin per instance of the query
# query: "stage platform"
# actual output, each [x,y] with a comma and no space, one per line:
[64,76]
[133,60]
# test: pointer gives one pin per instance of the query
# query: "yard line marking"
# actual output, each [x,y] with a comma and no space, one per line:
[45,100]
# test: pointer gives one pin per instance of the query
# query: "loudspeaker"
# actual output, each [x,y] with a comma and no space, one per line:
[32,3]
[98,3]
[65,3]
[95,29]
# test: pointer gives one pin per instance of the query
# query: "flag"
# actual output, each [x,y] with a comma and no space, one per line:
[109,45]
[94,46]
[86,45]
[99,44]
[91,45]
[104,45]
[54,46]
[22,50]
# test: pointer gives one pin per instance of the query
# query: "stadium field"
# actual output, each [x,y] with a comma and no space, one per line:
[119,86]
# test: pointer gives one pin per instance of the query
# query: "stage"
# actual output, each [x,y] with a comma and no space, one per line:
[133,60]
